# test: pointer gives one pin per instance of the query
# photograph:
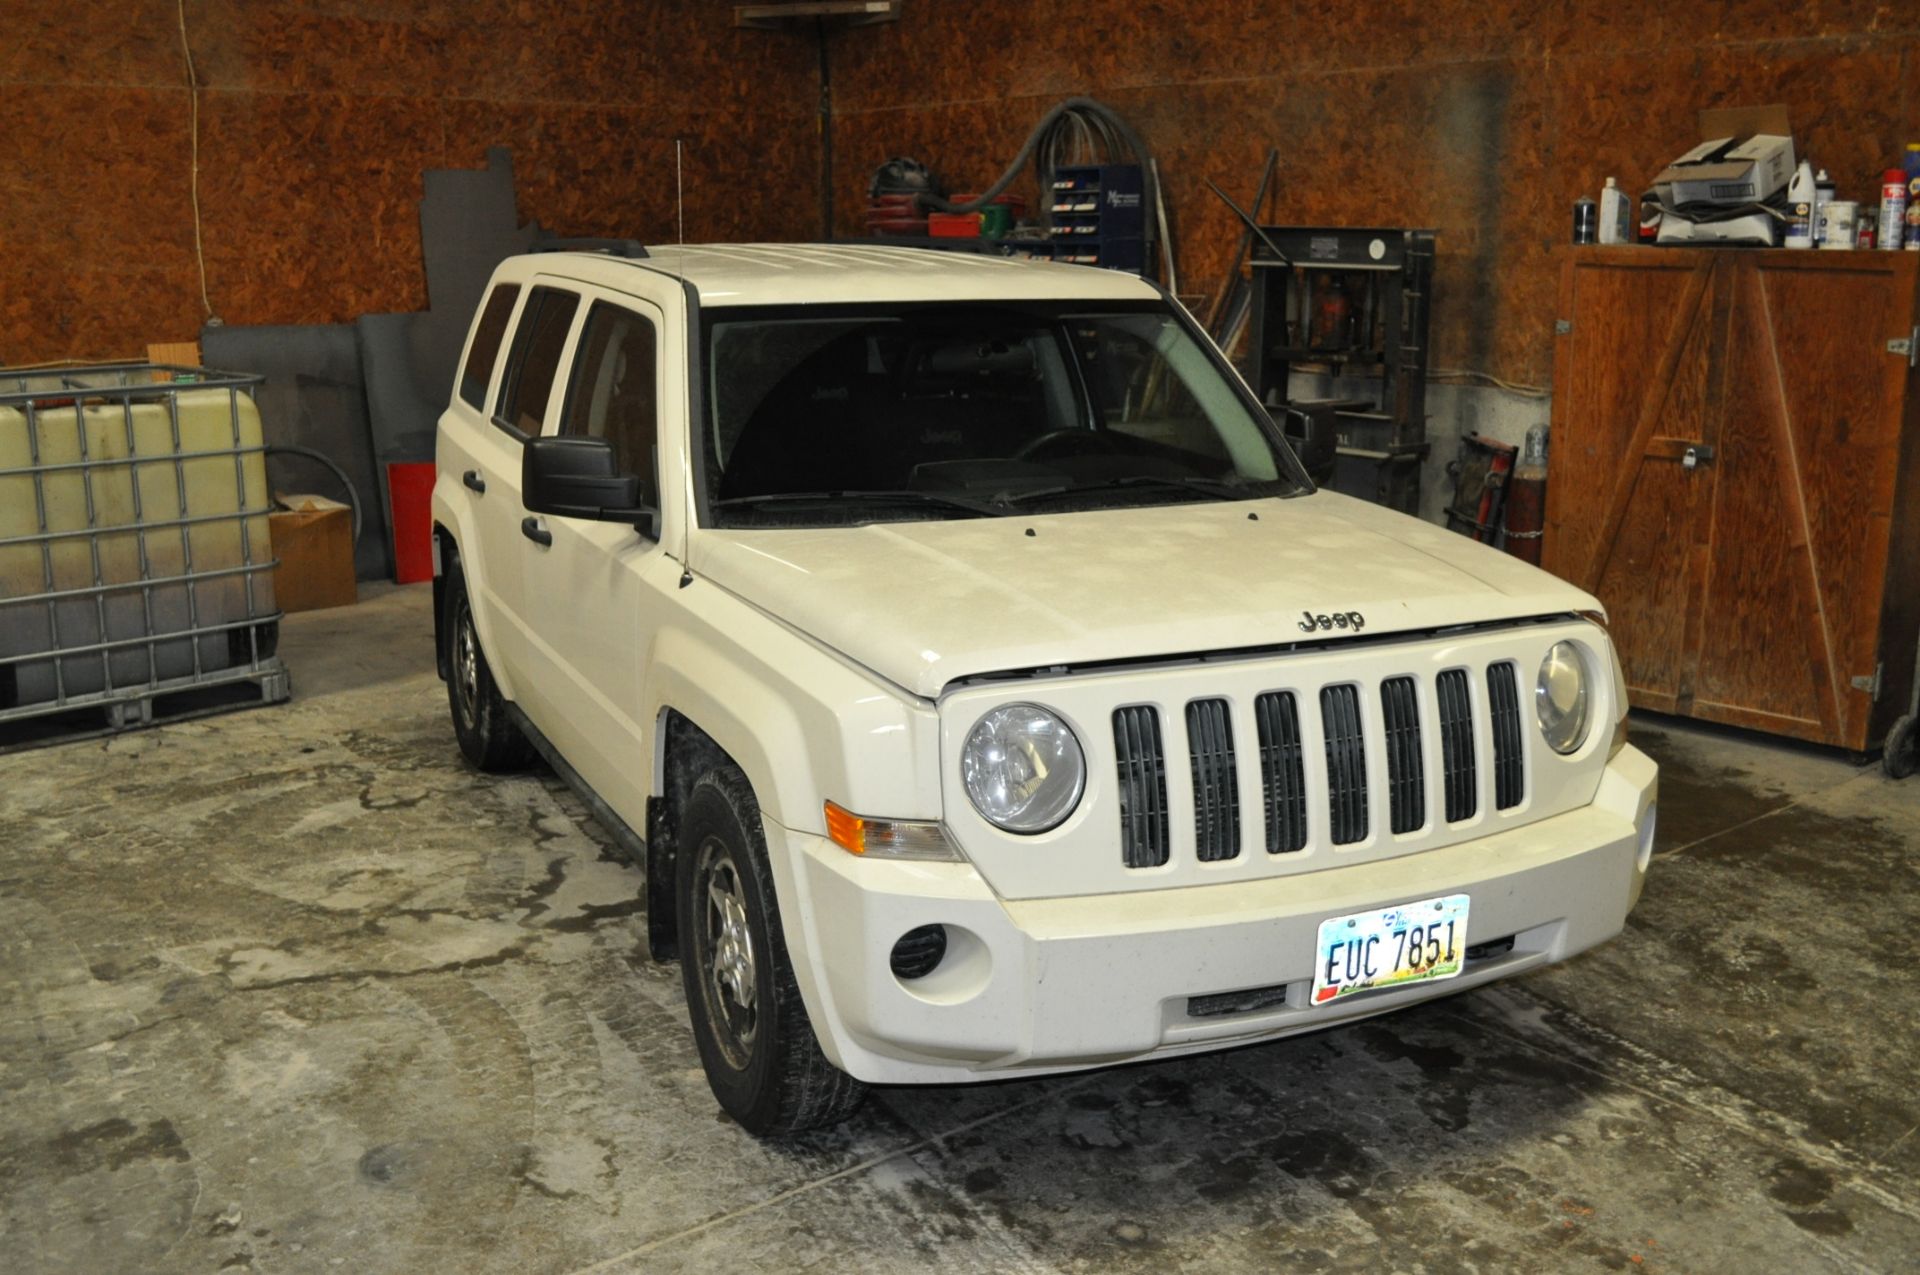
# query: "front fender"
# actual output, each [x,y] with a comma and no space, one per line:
[804,724]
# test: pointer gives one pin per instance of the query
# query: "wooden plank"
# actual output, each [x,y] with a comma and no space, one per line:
[1793,483]
[1898,642]
[177,353]
[1647,419]
[1713,415]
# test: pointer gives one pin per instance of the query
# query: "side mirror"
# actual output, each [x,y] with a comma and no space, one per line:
[578,478]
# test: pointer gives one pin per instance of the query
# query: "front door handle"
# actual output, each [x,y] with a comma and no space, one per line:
[474,481]
[530,528]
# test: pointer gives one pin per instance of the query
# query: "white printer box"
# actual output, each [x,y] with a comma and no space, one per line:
[1747,157]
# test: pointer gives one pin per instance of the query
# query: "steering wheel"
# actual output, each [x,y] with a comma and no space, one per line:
[1053,438]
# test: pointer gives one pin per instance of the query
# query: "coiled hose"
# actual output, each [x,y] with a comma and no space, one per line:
[1078,130]
[346,484]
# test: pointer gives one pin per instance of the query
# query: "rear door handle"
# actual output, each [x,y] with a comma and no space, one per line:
[530,528]
[474,481]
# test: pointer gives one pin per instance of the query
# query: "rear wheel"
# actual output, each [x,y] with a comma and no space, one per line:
[1902,753]
[487,735]
[756,1042]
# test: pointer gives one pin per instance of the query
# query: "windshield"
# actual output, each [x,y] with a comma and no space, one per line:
[828,415]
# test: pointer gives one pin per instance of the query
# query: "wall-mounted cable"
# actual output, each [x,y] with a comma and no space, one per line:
[193,150]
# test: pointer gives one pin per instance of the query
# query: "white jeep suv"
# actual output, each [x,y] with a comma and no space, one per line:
[981,683]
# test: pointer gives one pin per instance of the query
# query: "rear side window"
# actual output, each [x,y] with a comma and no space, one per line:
[475,377]
[537,343]
[611,393]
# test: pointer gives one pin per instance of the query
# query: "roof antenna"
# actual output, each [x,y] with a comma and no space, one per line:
[679,207]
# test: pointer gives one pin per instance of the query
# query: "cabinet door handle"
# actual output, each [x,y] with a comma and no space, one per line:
[530,528]
[474,481]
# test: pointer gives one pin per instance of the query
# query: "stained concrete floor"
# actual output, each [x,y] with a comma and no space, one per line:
[296,990]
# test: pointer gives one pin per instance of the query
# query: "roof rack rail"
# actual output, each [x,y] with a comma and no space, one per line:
[610,247]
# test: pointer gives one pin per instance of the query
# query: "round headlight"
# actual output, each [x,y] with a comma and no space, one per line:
[1023,768]
[1560,698]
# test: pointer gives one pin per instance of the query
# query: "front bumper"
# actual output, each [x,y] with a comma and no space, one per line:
[1045,985]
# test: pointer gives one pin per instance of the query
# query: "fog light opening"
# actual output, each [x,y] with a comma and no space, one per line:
[918,952]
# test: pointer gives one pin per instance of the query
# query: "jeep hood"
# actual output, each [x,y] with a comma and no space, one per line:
[925,603]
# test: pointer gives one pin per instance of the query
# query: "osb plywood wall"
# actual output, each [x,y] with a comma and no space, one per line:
[316,120]
[1482,118]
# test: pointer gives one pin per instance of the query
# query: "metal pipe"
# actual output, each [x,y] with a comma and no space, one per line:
[158,522]
[146,638]
[123,586]
[109,462]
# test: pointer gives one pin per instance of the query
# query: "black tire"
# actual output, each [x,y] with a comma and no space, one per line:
[486,733]
[756,1042]
[1902,754]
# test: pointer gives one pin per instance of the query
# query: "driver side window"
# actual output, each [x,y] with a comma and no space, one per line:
[612,391]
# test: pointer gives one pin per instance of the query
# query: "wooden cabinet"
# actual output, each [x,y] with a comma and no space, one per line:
[1735,473]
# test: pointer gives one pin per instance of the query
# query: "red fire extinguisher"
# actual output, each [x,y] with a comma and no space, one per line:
[1526,514]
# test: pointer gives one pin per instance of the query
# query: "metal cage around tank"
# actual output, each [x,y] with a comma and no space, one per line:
[135,557]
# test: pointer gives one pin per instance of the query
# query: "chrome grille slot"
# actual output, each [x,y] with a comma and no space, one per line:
[1346,763]
[1509,762]
[1143,786]
[1216,786]
[1283,772]
[1406,767]
[1456,745]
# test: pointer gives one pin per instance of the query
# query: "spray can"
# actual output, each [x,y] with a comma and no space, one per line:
[1822,196]
[1892,227]
[1586,218]
[1616,224]
[1800,209]
[1911,165]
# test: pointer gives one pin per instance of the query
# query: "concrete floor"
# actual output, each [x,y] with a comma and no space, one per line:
[295,990]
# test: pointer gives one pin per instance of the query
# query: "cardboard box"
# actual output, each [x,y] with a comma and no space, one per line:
[315,548]
[1746,158]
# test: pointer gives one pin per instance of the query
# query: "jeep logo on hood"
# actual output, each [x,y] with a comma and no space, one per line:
[1311,623]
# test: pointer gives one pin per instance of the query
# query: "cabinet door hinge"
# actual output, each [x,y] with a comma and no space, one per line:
[1907,347]
[1871,685]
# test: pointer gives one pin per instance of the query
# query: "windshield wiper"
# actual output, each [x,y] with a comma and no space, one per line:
[1214,487]
[903,496]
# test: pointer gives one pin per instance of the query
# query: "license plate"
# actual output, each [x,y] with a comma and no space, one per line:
[1420,942]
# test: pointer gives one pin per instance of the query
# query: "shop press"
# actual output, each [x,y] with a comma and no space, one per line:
[1350,303]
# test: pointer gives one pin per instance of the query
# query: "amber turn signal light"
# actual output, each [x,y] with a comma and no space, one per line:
[887,838]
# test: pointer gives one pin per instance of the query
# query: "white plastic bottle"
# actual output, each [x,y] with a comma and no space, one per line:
[1801,196]
[1616,223]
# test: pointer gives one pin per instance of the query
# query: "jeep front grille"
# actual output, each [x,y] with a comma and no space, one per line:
[1216,788]
[1283,771]
[1509,766]
[1456,744]
[1346,763]
[1406,765]
[1143,786]
[1282,737]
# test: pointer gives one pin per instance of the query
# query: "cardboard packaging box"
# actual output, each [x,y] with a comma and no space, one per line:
[315,548]
[1746,158]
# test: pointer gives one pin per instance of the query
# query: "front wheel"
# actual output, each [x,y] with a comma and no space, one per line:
[756,1042]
